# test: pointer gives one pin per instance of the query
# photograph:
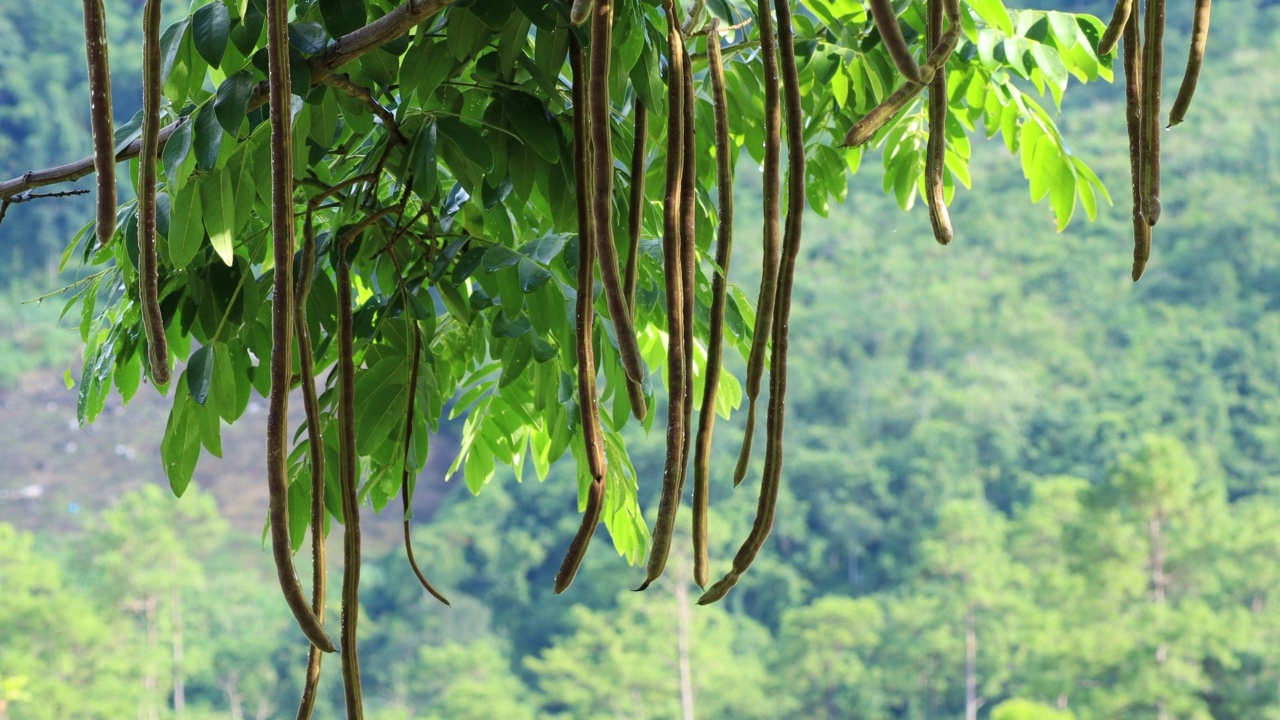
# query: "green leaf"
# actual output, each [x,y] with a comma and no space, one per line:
[309,38]
[170,44]
[342,16]
[222,384]
[199,374]
[1050,63]
[208,137]
[186,231]
[425,172]
[529,117]
[233,100]
[993,13]
[180,447]
[499,257]
[218,201]
[210,27]
[469,142]
[1065,30]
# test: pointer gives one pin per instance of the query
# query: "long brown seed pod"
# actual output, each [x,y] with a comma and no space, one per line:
[1152,72]
[894,43]
[772,232]
[602,191]
[1115,28]
[772,479]
[584,314]
[689,257]
[148,265]
[580,11]
[282,323]
[1137,162]
[104,151]
[1195,58]
[936,150]
[866,126]
[635,216]
[405,477]
[672,261]
[347,478]
[315,447]
[719,286]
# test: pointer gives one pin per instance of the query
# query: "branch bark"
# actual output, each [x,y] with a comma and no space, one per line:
[342,51]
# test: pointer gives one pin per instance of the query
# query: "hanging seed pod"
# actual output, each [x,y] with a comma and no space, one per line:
[148,264]
[894,43]
[635,217]
[719,287]
[772,232]
[315,448]
[282,323]
[936,149]
[672,257]
[1115,28]
[772,479]
[347,480]
[407,477]
[1137,161]
[104,152]
[689,258]
[1195,58]
[1152,74]
[584,312]
[580,11]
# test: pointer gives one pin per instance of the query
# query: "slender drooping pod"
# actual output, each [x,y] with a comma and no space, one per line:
[688,258]
[673,272]
[282,324]
[772,201]
[406,476]
[635,214]
[936,149]
[1137,160]
[719,296]
[771,481]
[315,454]
[894,43]
[347,480]
[1115,28]
[148,163]
[1152,74]
[1195,58]
[584,315]
[104,151]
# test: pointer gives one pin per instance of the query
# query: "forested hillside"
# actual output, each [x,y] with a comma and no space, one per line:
[1017,483]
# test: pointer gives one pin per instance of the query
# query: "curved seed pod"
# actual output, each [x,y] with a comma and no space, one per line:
[580,11]
[1195,58]
[408,439]
[635,217]
[584,314]
[719,286]
[935,152]
[865,128]
[1115,28]
[772,232]
[669,502]
[689,257]
[104,151]
[315,446]
[148,265]
[894,43]
[282,323]
[347,478]
[1152,71]
[1137,161]
[772,479]
[602,191]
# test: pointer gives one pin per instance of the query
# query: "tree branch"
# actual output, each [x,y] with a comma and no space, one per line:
[342,51]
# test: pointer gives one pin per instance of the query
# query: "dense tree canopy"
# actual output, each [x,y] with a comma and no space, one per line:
[440,158]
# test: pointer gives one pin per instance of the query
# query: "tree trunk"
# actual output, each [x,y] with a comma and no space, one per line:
[971,701]
[684,620]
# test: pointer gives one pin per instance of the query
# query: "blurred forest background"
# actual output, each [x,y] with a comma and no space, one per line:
[1018,486]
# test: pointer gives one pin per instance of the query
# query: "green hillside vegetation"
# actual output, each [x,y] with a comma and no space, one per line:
[1018,485]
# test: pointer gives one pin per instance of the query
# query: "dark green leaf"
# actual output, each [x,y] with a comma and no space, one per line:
[532,275]
[469,142]
[170,44]
[499,257]
[200,373]
[208,137]
[180,447]
[530,119]
[425,173]
[233,100]
[309,38]
[342,16]
[210,28]
[176,150]
[187,228]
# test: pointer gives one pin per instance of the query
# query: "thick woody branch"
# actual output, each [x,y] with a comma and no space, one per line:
[342,51]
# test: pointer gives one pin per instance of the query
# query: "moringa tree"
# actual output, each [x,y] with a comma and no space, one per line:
[403,211]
